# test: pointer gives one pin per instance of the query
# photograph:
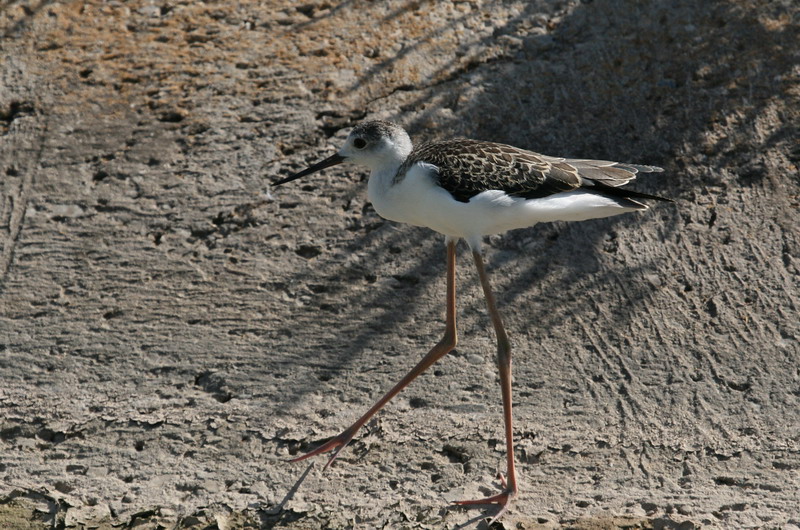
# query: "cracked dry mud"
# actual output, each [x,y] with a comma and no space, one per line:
[171,333]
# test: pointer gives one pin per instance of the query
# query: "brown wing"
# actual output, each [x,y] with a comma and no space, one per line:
[466,168]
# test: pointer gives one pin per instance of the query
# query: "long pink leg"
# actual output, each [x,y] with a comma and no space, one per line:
[444,346]
[504,365]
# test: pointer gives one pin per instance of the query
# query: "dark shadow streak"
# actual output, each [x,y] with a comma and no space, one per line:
[276,514]
[293,490]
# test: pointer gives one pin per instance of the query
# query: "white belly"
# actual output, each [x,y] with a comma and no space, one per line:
[417,200]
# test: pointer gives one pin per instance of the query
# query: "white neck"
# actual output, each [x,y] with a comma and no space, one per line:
[384,165]
[381,176]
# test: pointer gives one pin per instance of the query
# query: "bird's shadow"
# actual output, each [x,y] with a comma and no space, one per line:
[278,514]
[480,522]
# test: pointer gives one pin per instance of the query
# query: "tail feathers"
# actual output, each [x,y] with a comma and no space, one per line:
[610,173]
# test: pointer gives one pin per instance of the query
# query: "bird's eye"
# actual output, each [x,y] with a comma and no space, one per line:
[359,143]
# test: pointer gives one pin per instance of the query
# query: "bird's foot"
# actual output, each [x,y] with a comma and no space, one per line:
[502,499]
[336,444]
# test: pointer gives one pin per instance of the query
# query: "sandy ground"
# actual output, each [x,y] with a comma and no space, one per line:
[171,333]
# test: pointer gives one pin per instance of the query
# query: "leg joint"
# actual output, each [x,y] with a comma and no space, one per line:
[450,340]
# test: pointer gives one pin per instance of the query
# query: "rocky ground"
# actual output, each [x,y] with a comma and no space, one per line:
[172,330]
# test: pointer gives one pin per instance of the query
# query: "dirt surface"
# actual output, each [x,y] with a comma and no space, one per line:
[171,331]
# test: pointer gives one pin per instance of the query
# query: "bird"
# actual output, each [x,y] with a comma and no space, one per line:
[467,189]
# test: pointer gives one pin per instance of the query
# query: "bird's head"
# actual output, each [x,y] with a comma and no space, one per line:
[374,144]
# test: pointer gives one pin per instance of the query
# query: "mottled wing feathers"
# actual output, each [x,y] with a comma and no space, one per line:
[466,168]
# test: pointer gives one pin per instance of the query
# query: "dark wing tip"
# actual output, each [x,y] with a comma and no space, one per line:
[617,192]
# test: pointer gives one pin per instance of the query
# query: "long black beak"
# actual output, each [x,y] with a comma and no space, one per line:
[328,162]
